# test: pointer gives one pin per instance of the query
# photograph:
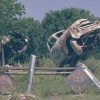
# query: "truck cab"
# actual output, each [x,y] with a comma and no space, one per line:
[67,46]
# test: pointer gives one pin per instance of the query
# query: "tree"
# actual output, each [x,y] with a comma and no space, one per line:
[11,19]
[33,30]
[10,10]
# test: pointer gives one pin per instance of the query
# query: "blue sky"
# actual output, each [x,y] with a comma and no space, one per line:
[38,8]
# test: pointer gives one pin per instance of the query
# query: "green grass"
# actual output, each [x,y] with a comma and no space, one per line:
[59,97]
[73,97]
[51,85]
[5,97]
[20,83]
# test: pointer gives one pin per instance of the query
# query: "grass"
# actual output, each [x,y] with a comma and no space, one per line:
[51,85]
[86,97]
[5,97]
[59,97]
[20,83]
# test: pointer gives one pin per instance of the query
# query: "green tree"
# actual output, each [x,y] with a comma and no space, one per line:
[11,19]
[10,10]
[33,29]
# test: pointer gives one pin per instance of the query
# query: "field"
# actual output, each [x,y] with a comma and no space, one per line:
[52,87]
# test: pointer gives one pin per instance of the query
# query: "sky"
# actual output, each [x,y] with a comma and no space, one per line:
[38,8]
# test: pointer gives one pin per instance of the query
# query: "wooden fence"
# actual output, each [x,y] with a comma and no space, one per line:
[33,70]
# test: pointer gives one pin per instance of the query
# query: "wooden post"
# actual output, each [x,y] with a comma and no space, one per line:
[3,58]
[30,74]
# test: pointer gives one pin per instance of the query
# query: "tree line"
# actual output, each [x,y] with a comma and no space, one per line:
[12,19]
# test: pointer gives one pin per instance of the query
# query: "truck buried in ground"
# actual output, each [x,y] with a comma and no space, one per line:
[75,43]
[11,44]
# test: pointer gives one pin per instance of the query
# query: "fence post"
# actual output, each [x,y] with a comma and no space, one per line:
[30,74]
[3,57]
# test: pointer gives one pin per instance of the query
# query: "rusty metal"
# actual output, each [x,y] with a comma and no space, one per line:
[66,46]
[6,43]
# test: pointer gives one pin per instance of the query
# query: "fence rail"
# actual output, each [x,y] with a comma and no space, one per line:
[38,68]
[80,74]
[36,73]
[45,71]
[32,70]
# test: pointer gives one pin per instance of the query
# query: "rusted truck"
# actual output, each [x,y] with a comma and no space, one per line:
[12,43]
[68,46]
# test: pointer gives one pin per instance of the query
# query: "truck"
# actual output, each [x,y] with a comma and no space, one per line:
[68,46]
[10,44]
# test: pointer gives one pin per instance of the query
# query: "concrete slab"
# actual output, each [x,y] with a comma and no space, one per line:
[81,78]
[6,84]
